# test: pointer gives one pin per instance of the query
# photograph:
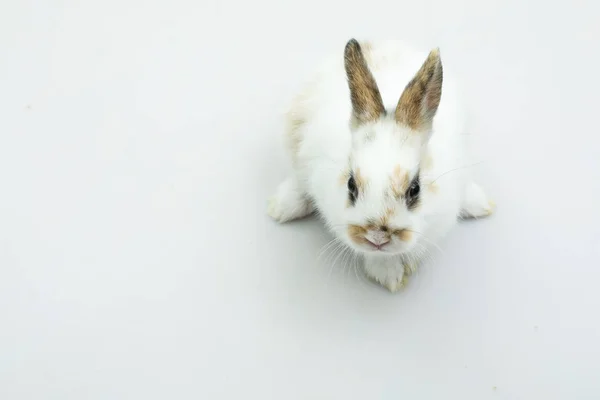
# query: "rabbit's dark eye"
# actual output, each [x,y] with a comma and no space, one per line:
[412,194]
[352,189]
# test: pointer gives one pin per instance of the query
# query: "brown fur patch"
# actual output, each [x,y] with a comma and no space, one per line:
[433,187]
[384,221]
[403,235]
[421,97]
[357,234]
[367,105]
[400,181]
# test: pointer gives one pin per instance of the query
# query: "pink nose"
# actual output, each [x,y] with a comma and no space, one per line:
[380,244]
[377,238]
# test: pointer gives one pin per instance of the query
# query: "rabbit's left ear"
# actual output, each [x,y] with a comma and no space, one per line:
[367,105]
[421,97]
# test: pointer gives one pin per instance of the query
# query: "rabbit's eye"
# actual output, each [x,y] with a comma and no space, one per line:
[352,189]
[412,194]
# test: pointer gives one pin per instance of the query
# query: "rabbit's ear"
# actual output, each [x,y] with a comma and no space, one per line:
[367,105]
[421,97]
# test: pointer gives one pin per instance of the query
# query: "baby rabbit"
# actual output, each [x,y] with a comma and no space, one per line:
[381,154]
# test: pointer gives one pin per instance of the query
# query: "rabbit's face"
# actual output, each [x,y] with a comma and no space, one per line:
[382,189]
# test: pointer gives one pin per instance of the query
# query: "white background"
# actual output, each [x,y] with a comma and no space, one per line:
[139,141]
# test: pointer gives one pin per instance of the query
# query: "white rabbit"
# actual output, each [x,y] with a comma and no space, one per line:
[381,154]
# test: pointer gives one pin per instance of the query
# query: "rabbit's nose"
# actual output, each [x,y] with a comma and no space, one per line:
[377,238]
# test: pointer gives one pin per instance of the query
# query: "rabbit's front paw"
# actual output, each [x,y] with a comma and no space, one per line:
[289,202]
[389,272]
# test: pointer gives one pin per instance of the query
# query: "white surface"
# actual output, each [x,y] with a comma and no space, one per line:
[140,140]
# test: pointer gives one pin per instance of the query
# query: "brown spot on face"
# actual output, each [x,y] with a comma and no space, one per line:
[403,234]
[384,221]
[421,97]
[357,234]
[433,187]
[367,105]
[400,181]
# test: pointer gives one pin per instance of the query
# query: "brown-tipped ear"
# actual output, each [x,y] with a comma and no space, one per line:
[367,105]
[421,97]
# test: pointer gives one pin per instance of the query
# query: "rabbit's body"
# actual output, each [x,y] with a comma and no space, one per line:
[389,177]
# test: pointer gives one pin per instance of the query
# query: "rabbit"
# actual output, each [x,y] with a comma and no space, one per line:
[378,148]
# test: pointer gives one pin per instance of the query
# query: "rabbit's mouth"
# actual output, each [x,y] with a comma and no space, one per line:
[380,239]
[378,245]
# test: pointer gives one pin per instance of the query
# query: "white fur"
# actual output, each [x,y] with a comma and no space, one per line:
[325,147]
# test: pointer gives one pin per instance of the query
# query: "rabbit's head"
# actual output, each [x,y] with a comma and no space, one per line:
[382,189]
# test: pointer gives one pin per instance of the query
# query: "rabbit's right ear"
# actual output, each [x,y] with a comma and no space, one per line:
[421,97]
[367,105]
